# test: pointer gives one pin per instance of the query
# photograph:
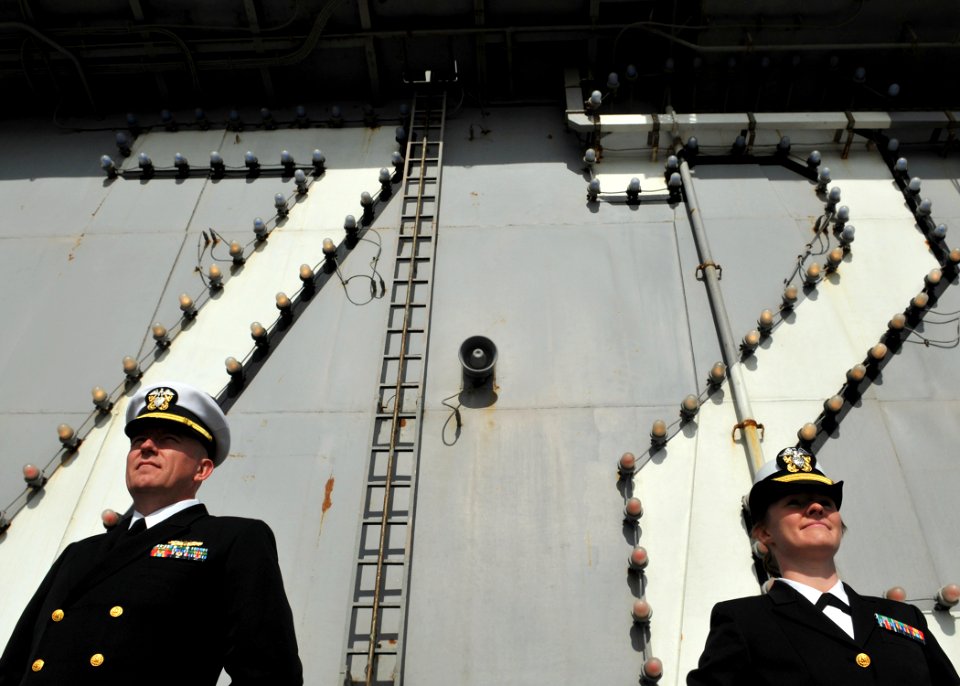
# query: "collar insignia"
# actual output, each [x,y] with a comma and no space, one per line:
[796,460]
[891,624]
[160,399]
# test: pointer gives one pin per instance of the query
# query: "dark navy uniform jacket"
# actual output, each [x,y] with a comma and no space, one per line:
[781,638]
[174,604]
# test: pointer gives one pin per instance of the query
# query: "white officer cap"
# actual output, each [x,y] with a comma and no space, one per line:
[189,407]
[794,470]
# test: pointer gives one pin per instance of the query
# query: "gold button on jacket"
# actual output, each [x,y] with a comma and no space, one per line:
[57,615]
[37,665]
[863,660]
[116,611]
[96,659]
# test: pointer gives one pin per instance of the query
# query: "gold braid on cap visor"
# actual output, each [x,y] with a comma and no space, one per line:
[802,476]
[177,418]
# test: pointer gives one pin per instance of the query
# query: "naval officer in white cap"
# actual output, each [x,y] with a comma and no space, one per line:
[810,628]
[171,594]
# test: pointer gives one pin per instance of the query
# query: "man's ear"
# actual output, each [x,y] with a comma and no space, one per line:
[204,469]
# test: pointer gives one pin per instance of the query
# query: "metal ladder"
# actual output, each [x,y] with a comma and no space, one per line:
[374,644]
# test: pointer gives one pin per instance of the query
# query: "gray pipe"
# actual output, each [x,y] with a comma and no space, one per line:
[802,47]
[728,347]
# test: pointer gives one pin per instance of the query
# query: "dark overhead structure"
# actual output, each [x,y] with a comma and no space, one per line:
[708,56]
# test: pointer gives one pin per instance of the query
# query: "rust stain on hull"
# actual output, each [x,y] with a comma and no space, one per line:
[327,502]
[76,244]
[327,491]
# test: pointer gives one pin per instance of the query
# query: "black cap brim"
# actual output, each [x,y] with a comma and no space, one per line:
[182,421]
[769,491]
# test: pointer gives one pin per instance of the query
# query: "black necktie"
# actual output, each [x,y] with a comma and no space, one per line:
[138,527]
[830,599]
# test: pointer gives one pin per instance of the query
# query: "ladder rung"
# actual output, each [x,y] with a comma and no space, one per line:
[396,520]
[386,562]
[399,487]
[376,651]
[413,281]
[361,561]
[361,604]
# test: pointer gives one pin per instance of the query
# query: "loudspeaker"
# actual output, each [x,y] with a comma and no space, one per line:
[478,355]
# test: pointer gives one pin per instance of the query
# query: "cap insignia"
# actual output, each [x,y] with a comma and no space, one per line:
[160,399]
[795,460]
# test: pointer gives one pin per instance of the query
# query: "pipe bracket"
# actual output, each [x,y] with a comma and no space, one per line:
[709,263]
[752,423]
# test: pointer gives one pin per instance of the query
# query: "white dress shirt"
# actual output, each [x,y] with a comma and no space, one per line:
[836,615]
[163,513]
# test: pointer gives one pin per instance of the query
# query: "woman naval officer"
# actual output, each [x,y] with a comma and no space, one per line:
[810,628]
